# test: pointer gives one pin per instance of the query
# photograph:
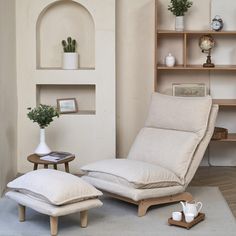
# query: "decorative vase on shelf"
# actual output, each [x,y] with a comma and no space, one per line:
[70,61]
[179,23]
[42,148]
[170,60]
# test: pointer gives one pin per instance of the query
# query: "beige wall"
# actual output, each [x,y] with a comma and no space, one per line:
[8,97]
[135,68]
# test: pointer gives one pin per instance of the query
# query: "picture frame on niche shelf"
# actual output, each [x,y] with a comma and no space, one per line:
[189,89]
[67,105]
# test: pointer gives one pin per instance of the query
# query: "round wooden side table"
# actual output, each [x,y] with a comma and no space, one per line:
[33,158]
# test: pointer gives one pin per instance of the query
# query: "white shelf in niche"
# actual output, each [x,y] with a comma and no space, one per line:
[85,96]
[69,77]
[82,112]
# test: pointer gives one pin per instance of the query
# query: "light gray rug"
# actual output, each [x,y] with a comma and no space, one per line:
[118,218]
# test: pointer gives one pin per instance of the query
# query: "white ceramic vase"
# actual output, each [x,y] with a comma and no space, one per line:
[170,60]
[70,61]
[179,23]
[42,148]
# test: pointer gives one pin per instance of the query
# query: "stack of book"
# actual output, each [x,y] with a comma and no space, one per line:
[56,156]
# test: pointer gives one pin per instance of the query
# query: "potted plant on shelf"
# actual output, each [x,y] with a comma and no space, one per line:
[43,115]
[179,8]
[70,56]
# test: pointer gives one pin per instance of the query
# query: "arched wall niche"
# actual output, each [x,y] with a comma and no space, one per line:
[58,21]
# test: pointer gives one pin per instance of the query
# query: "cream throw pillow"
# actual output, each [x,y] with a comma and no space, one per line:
[55,187]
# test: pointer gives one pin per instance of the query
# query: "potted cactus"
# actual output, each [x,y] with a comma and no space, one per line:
[70,56]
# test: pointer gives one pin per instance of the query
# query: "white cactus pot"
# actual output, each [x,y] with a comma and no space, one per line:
[70,61]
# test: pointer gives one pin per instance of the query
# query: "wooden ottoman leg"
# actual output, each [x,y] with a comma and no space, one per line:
[21,213]
[83,219]
[54,225]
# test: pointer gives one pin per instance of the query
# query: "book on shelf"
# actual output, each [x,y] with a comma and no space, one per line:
[56,156]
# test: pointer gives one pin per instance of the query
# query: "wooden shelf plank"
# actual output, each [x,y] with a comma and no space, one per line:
[231,138]
[198,67]
[225,102]
[198,32]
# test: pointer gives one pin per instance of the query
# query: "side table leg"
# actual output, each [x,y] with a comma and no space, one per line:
[67,167]
[35,166]
[45,166]
[55,166]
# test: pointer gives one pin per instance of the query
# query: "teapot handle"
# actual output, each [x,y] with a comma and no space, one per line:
[200,206]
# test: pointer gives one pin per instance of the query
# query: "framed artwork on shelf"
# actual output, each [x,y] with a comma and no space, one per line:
[189,90]
[67,105]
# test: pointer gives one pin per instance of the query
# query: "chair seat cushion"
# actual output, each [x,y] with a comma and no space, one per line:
[54,187]
[52,210]
[133,193]
[132,173]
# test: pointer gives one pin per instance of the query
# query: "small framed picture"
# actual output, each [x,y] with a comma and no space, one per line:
[67,105]
[189,90]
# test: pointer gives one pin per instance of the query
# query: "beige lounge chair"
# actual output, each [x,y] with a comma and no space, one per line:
[164,156]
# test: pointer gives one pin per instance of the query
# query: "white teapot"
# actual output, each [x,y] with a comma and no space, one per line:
[191,207]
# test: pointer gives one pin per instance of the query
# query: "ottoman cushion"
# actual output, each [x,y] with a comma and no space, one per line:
[52,210]
[54,187]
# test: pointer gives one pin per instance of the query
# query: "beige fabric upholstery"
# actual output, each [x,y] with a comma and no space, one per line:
[50,209]
[136,174]
[179,113]
[175,137]
[170,149]
[55,187]
[199,153]
[132,193]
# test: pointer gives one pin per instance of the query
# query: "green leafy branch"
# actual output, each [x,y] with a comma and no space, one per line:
[179,7]
[43,115]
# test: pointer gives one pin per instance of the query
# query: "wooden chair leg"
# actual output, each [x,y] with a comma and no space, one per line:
[143,205]
[21,213]
[142,208]
[54,225]
[83,219]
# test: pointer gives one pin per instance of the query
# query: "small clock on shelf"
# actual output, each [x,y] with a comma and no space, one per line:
[217,23]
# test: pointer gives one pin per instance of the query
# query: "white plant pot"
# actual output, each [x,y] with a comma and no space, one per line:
[42,148]
[70,61]
[179,23]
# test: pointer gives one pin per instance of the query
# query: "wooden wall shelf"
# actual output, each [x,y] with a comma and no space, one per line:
[198,67]
[194,32]
[225,102]
[231,138]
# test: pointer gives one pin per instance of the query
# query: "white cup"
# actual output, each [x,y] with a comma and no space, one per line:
[177,216]
[189,217]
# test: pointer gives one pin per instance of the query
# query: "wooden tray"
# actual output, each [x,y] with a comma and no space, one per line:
[184,224]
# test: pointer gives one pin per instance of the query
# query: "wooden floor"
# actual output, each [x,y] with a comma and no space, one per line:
[222,177]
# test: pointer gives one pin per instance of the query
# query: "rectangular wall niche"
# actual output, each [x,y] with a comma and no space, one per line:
[85,96]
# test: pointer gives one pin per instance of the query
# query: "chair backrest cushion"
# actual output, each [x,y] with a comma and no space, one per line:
[173,130]
[170,149]
[179,113]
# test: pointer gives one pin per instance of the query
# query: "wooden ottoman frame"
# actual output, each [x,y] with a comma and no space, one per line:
[54,219]
[53,211]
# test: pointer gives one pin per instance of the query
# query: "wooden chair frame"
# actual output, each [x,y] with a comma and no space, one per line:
[144,204]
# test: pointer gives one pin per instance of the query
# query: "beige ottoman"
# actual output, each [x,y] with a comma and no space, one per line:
[54,193]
